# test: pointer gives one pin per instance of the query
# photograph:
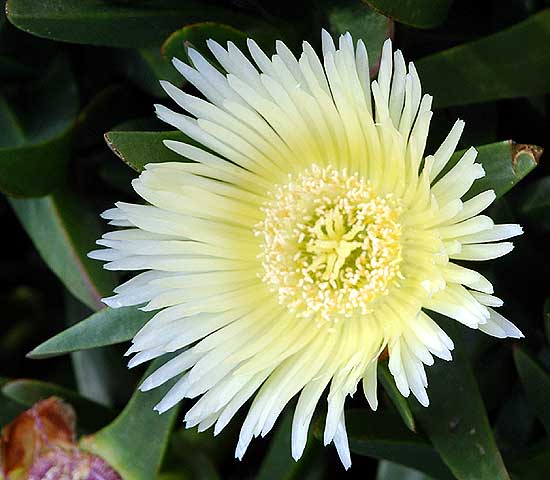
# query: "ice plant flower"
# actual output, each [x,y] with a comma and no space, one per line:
[307,236]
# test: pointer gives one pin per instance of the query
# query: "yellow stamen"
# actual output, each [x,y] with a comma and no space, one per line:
[331,246]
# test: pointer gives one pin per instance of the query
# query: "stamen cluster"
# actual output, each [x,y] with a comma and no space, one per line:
[331,246]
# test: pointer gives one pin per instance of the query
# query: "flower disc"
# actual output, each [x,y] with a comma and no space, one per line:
[331,246]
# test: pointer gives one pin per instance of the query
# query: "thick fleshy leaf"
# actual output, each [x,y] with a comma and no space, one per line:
[115,24]
[400,403]
[35,145]
[420,13]
[106,327]
[91,415]
[382,435]
[536,382]
[135,442]
[510,63]
[137,149]
[505,164]
[394,471]
[456,421]
[363,23]
[63,232]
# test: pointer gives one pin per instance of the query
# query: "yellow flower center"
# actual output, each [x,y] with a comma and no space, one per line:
[331,246]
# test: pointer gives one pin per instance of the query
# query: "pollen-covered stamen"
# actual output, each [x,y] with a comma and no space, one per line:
[331,246]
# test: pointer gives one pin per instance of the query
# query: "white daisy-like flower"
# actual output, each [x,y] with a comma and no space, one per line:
[309,235]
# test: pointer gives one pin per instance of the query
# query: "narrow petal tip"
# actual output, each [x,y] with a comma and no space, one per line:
[111,302]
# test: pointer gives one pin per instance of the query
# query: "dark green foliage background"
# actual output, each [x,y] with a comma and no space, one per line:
[73,70]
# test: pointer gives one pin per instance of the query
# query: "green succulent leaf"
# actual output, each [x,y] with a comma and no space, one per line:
[91,415]
[456,421]
[105,327]
[63,231]
[116,24]
[417,13]
[400,403]
[137,149]
[35,149]
[135,442]
[510,63]
[382,435]
[536,382]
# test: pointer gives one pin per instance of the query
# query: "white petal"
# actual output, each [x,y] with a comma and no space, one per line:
[341,443]
[447,148]
[495,234]
[500,327]
[370,384]
[483,251]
